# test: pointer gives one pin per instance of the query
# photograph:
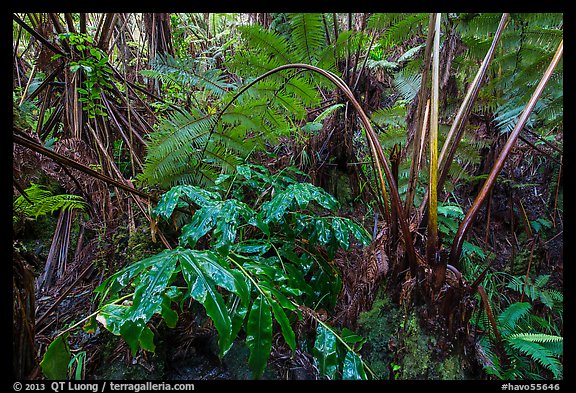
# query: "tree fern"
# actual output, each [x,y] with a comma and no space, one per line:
[407,84]
[401,28]
[188,146]
[40,201]
[188,73]
[308,36]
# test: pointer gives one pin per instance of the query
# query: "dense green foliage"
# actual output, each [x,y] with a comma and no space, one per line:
[265,257]
[39,201]
[256,183]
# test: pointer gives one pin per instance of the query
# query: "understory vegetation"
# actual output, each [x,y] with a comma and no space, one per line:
[341,196]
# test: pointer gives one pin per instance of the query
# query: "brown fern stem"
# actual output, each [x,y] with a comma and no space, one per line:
[471,215]
[375,147]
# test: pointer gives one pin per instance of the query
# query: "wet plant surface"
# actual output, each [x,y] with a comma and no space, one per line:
[302,196]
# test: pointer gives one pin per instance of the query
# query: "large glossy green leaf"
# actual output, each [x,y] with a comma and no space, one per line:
[353,367]
[244,171]
[253,246]
[238,312]
[56,359]
[354,340]
[119,280]
[263,271]
[325,352]
[296,196]
[112,316]
[203,221]
[326,284]
[297,268]
[227,223]
[341,233]
[274,210]
[146,340]
[170,200]
[149,292]
[170,316]
[278,295]
[284,323]
[154,277]
[168,203]
[259,335]
[131,331]
[257,221]
[358,231]
[222,217]
[215,267]
[201,287]
[322,233]
[116,319]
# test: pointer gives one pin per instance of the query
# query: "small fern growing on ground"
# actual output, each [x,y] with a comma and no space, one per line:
[528,352]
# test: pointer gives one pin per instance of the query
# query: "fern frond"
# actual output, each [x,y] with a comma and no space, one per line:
[543,37]
[530,344]
[408,85]
[307,30]
[544,19]
[509,318]
[392,136]
[478,25]
[541,280]
[42,202]
[251,64]
[381,21]
[516,283]
[303,90]
[187,144]
[272,44]
[404,28]
[394,116]
[538,337]
[188,72]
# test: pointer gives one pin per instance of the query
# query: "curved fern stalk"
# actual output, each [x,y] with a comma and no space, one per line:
[469,218]
[376,149]
[457,128]
[463,112]
[421,116]
[488,309]
[432,228]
